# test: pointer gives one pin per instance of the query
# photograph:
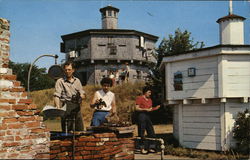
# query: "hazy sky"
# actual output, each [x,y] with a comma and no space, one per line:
[37,25]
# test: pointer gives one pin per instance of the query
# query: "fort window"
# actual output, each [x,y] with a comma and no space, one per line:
[122,45]
[103,14]
[101,45]
[109,13]
[113,50]
[138,72]
[110,41]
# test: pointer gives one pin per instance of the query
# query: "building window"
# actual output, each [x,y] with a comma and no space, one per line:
[103,14]
[142,42]
[122,45]
[178,84]
[109,13]
[115,14]
[110,40]
[138,74]
[191,72]
[113,50]
[102,45]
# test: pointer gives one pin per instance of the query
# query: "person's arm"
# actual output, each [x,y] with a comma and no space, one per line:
[156,107]
[57,102]
[138,108]
[57,94]
[80,89]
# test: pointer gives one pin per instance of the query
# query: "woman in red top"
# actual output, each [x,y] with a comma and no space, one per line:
[143,107]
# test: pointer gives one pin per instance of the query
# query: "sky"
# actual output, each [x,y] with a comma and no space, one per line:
[36,26]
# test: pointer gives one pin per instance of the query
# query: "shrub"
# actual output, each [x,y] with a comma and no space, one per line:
[241,132]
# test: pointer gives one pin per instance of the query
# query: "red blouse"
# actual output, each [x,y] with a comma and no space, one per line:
[143,103]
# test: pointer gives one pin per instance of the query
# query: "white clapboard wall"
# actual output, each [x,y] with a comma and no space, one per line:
[198,126]
[204,84]
[207,126]
[236,76]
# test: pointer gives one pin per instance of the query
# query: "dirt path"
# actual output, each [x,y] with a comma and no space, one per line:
[157,156]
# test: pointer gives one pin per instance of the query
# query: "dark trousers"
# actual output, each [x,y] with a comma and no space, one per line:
[73,112]
[144,124]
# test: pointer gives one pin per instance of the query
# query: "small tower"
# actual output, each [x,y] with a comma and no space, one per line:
[109,17]
[231,28]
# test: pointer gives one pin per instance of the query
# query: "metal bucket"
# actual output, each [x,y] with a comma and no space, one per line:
[52,112]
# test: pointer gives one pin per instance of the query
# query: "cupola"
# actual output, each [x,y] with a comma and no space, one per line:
[231,28]
[109,17]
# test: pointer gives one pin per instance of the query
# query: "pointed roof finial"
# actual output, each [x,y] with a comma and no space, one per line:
[230,7]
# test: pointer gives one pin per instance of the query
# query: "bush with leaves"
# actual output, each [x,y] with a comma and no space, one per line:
[39,79]
[241,132]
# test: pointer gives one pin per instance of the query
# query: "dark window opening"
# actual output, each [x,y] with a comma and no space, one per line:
[178,84]
[138,74]
[110,40]
[113,50]
[109,13]
[103,14]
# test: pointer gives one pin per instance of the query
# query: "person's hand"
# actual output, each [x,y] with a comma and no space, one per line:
[83,96]
[97,101]
[113,112]
[148,109]
[156,108]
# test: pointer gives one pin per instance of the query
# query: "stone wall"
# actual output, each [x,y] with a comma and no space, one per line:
[4,43]
[95,146]
[22,132]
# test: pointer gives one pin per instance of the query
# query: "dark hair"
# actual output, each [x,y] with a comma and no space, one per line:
[106,80]
[146,88]
[69,63]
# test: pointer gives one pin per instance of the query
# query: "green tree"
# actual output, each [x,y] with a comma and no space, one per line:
[176,44]
[39,79]
[241,131]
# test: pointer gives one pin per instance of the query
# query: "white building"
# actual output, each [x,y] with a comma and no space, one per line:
[208,87]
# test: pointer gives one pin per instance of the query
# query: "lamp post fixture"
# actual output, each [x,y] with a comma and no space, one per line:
[45,55]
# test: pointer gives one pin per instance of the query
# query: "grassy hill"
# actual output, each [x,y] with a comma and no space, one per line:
[125,99]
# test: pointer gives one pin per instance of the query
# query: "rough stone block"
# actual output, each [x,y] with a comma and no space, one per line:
[5,83]
[3,70]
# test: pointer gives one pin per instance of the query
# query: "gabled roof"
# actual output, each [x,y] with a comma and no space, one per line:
[108,32]
[230,16]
